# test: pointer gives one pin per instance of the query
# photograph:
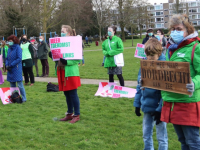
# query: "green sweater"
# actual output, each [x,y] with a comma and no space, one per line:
[72,69]
[116,46]
[184,55]
[6,50]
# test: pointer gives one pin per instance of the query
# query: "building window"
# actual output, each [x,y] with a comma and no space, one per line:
[159,13]
[144,26]
[194,23]
[193,4]
[159,25]
[158,7]
[193,10]
[198,3]
[198,10]
[194,16]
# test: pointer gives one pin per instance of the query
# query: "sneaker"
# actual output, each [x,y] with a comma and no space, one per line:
[31,84]
[102,64]
[75,119]
[83,64]
[78,64]
[25,83]
[37,75]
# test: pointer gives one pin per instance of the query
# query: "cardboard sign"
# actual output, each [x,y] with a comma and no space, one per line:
[5,94]
[139,52]
[166,75]
[110,89]
[69,47]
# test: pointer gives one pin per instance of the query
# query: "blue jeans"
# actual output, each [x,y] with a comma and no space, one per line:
[73,102]
[83,62]
[188,136]
[104,59]
[161,133]
[21,88]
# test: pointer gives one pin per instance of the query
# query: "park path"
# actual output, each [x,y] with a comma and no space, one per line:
[83,81]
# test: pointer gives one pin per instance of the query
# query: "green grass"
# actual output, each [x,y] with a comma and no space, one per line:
[94,59]
[106,124]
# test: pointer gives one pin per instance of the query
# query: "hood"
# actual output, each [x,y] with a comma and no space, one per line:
[14,46]
[162,57]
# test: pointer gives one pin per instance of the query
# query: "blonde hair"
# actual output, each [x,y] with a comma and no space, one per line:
[3,43]
[152,47]
[181,19]
[69,29]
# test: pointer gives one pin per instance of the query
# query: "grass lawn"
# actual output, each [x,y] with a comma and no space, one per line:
[94,59]
[106,124]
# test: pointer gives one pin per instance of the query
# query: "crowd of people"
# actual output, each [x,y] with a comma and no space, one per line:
[159,107]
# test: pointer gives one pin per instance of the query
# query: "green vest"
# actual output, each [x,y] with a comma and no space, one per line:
[25,51]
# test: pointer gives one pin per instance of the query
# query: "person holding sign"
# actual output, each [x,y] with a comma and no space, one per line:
[150,101]
[69,81]
[112,48]
[183,111]
[14,65]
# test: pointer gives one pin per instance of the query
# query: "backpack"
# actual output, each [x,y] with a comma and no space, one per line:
[15,97]
[52,87]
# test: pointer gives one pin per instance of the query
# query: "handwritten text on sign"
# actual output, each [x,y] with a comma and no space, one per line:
[66,47]
[165,75]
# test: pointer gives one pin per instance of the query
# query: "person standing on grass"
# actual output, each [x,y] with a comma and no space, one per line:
[14,65]
[86,39]
[150,101]
[35,50]
[111,47]
[183,111]
[27,61]
[43,50]
[4,51]
[162,39]
[149,35]
[69,81]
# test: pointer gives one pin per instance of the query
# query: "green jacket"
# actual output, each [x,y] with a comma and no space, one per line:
[72,69]
[117,47]
[6,50]
[184,55]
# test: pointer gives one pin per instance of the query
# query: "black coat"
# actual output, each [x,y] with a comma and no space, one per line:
[43,50]
[146,39]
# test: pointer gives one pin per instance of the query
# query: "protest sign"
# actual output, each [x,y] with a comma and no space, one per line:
[165,75]
[5,94]
[1,61]
[139,52]
[110,89]
[69,47]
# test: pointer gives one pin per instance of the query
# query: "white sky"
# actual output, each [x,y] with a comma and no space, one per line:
[158,1]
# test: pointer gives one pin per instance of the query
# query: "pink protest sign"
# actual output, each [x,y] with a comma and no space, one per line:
[139,52]
[5,94]
[1,61]
[69,47]
[110,89]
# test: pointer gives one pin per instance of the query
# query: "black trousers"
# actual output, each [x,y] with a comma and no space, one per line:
[28,72]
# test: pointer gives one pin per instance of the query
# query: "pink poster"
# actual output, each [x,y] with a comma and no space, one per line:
[139,52]
[5,94]
[110,89]
[1,61]
[69,47]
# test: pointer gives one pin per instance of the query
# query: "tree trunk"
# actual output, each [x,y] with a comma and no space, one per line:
[132,34]
[44,23]
[100,34]
[140,31]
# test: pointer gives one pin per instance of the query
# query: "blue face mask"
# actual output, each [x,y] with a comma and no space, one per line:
[177,36]
[109,33]
[150,34]
[63,34]
[40,40]
[10,43]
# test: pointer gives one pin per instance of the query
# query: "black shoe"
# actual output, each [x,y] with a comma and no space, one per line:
[102,64]
[37,75]
[42,76]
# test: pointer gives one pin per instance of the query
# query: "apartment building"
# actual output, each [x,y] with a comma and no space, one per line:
[161,13]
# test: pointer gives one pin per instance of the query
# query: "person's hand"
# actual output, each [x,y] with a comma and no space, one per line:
[156,115]
[137,111]
[8,68]
[140,84]
[63,61]
[190,87]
